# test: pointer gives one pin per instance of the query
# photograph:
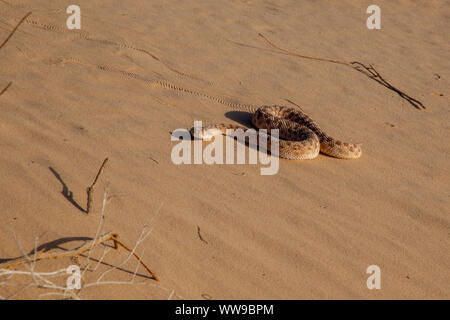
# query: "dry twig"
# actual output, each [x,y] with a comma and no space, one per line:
[14,30]
[44,280]
[6,88]
[90,190]
[368,71]
[113,236]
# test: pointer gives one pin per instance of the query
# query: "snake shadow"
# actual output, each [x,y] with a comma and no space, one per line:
[242,117]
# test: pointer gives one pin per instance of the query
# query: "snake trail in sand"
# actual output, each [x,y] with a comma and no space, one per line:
[301,137]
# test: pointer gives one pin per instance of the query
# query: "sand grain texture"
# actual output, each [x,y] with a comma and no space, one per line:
[309,231]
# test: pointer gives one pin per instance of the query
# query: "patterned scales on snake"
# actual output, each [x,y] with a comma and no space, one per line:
[301,137]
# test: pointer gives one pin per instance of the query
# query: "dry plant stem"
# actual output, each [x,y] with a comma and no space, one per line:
[14,30]
[117,242]
[113,236]
[36,277]
[142,237]
[144,234]
[42,279]
[90,190]
[6,88]
[297,54]
[100,228]
[49,255]
[200,236]
[378,78]
[370,72]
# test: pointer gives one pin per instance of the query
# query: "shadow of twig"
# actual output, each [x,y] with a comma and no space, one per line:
[117,268]
[242,117]
[56,244]
[65,191]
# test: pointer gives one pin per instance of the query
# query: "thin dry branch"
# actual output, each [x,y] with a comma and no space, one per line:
[113,236]
[14,30]
[100,228]
[6,88]
[51,255]
[42,279]
[373,74]
[297,54]
[117,242]
[90,190]
[358,66]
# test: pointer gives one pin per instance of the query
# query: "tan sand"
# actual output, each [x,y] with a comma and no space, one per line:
[308,232]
